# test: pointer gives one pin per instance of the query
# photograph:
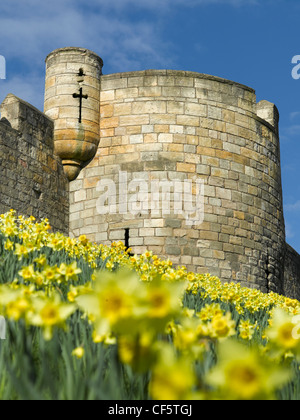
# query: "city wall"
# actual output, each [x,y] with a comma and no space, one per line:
[180,163]
[32,180]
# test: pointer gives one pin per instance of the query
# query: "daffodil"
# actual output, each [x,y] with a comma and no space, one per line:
[50,274]
[173,377]
[56,241]
[69,272]
[222,326]
[9,245]
[78,352]
[72,294]
[283,334]
[17,308]
[246,330]
[209,311]
[111,299]
[27,273]
[187,336]
[242,374]
[108,339]
[191,277]
[41,261]
[21,251]
[138,351]
[50,313]
[83,240]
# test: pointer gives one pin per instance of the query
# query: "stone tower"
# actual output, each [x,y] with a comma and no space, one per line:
[149,144]
[72,99]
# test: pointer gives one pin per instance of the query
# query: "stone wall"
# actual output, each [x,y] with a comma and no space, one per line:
[291,284]
[32,180]
[162,125]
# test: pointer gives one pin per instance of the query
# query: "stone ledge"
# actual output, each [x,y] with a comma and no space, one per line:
[23,116]
[178,73]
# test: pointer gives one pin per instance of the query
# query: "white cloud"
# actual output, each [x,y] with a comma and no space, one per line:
[293,130]
[32,35]
[29,88]
[294,115]
[124,39]
[293,206]
[289,231]
[33,29]
[164,4]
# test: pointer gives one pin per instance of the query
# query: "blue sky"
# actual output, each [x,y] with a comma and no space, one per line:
[248,41]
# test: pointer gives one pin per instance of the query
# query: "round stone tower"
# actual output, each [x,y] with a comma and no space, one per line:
[188,166]
[72,100]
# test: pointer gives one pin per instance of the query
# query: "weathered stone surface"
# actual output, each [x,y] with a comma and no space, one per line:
[206,128]
[32,179]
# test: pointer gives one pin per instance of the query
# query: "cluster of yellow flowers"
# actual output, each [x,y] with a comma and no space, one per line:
[36,308]
[243,298]
[133,300]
